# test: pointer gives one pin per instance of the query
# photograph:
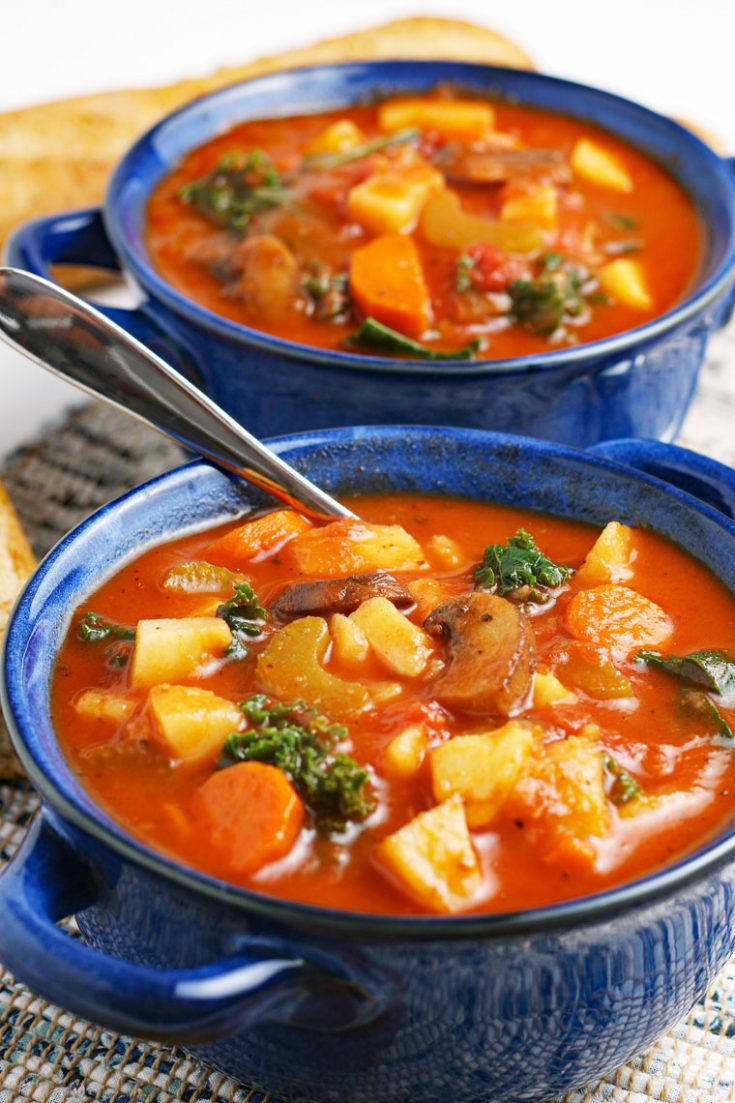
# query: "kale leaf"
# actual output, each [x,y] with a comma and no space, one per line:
[245,616]
[346,156]
[519,563]
[237,188]
[299,741]
[373,334]
[715,670]
[625,787]
[94,628]
[699,702]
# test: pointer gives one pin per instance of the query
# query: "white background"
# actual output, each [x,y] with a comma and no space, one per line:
[676,57]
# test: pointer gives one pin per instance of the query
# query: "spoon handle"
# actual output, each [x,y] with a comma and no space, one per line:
[76,342]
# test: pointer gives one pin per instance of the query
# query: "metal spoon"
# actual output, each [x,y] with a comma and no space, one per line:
[76,342]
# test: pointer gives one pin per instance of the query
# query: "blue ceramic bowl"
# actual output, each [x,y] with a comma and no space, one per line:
[313,1004]
[636,384]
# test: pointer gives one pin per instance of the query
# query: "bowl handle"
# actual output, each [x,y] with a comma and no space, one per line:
[706,479]
[47,880]
[80,238]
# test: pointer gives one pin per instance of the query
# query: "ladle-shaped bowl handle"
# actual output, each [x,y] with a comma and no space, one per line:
[76,342]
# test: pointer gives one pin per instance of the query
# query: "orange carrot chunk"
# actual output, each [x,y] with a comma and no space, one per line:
[261,536]
[618,618]
[387,283]
[252,813]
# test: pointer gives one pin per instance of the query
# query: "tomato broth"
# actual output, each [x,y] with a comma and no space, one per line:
[584,742]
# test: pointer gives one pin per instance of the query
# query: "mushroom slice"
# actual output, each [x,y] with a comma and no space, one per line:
[479,165]
[339,595]
[491,654]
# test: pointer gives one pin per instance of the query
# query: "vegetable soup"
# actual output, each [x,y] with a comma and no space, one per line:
[430,227]
[463,708]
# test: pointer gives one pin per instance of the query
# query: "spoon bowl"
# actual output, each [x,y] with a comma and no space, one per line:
[74,341]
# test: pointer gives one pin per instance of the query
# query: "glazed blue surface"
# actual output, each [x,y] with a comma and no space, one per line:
[316,1005]
[635,384]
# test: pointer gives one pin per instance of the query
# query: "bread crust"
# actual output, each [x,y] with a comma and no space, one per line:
[16,563]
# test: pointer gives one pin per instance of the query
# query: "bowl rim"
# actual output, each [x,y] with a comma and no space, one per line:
[573,357]
[103,829]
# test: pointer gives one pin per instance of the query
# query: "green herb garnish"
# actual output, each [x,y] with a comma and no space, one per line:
[245,616]
[622,221]
[701,703]
[463,279]
[625,787]
[299,741]
[346,156]
[94,628]
[519,563]
[375,335]
[236,189]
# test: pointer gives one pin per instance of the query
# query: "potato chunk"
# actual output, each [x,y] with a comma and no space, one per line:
[340,136]
[191,722]
[390,201]
[100,704]
[349,641]
[538,206]
[609,558]
[562,799]
[432,858]
[624,280]
[349,546]
[174,649]
[482,769]
[590,161]
[547,689]
[290,668]
[399,644]
[461,119]
[405,752]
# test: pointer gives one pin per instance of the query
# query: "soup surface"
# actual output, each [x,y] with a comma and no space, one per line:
[462,708]
[426,227]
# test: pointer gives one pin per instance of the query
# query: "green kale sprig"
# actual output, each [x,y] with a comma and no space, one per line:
[93,628]
[238,187]
[299,741]
[519,565]
[624,787]
[374,335]
[245,617]
[703,672]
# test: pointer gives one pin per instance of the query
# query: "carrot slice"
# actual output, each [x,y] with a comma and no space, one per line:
[387,283]
[616,617]
[253,814]
[261,536]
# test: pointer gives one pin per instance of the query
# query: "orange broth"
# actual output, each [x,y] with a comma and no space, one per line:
[654,226]
[684,767]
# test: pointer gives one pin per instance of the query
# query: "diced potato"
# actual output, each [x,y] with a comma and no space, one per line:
[482,769]
[444,222]
[174,649]
[349,642]
[350,546]
[193,723]
[428,593]
[461,119]
[432,858]
[382,692]
[290,668]
[198,577]
[405,752]
[539,206]
[562,795]
[340,136]
[624,280]
[446,552]
[590,161]
[399,644]
[100,704]
[391,201]
[609,558]
[547,689]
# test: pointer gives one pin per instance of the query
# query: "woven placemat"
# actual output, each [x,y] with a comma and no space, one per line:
[49,1055]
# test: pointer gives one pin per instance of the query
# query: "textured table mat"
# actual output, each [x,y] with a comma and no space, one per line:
[49,1055]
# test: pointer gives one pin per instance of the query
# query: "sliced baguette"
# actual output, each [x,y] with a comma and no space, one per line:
[16,564]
